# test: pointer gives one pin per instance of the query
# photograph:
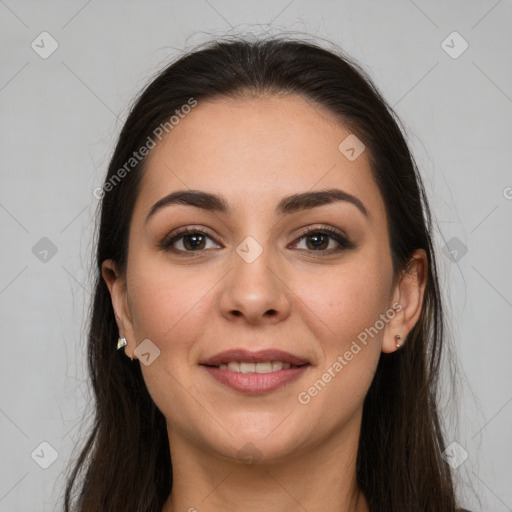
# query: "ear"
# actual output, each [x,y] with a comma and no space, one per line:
[116,284]
[407,301]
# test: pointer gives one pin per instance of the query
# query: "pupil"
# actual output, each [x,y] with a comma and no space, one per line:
[318,241]
[193,241]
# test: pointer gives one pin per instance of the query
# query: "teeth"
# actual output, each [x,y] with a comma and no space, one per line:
[247,367]
[263,367]
[234,366]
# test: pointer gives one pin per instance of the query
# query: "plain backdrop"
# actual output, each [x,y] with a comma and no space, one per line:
[69,72]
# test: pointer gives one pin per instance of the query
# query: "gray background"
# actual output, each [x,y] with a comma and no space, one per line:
[59,120]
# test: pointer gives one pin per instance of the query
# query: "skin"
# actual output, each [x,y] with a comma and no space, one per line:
[254,152]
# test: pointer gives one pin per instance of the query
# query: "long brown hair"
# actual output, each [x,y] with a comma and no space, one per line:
[125,464]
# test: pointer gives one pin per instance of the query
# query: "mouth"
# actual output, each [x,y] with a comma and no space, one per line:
[268,360]
[260,367]
[255,372]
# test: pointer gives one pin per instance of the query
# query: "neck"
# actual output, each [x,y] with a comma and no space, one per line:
[321,477]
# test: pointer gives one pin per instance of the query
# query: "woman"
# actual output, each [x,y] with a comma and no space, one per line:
[265,264]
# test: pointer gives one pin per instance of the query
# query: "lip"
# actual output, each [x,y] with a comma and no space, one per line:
[255,383]
[247,356]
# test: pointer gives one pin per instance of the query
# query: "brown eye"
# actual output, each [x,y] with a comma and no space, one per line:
[318,241]
[193,242]
[325,240]
[188,240]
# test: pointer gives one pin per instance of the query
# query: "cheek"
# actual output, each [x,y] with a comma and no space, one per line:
[164,301]
[342,317]
[343,313]
[169,307]
[344,301]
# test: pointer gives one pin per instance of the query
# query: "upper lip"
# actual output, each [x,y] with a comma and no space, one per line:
[240,354]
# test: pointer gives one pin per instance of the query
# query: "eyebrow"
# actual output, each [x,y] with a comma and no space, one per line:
[287,205]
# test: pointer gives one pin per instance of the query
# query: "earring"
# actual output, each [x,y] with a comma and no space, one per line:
[121,342]
[397,339]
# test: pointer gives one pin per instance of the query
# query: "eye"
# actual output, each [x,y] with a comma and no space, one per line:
[188,240]
[324,240]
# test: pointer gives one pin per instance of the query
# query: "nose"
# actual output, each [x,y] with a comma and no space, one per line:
[255,292]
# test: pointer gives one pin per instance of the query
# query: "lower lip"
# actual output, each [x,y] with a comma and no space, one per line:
[255,383]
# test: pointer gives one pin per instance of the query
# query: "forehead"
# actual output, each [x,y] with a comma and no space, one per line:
[259,148]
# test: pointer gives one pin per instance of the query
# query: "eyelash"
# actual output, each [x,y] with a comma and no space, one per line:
[338,236]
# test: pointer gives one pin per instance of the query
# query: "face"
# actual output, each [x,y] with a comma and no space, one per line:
[263,266]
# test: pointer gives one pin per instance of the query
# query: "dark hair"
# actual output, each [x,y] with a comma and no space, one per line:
[125,464]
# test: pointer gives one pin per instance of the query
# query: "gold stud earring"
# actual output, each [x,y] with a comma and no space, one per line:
[121,342]
[397,339]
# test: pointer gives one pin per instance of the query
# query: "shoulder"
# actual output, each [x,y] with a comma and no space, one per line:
[462,510]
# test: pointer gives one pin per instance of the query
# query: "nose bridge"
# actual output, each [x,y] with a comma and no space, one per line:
[255,289]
